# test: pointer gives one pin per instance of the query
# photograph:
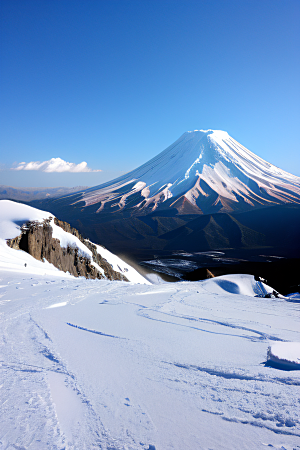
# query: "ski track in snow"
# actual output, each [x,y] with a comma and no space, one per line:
[121,367]
[93,331]
[260,335]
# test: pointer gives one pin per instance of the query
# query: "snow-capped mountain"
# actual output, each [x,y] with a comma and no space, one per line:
[202,172]
[204,192]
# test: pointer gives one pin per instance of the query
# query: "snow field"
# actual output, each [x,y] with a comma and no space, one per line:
[112,365]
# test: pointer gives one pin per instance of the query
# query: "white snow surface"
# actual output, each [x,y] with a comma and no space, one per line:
[13,215]
[285,352]
[121,266]
[89,364]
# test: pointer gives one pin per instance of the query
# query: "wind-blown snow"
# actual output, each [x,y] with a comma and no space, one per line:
[89,364]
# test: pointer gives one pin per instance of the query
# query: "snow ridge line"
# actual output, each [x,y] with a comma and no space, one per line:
[94,331]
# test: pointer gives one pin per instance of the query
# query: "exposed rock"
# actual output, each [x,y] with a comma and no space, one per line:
[37,240]
[108,270]
[15,242]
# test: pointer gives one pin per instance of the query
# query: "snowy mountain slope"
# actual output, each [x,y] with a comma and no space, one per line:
[89,364]
[202,172]
[13,215]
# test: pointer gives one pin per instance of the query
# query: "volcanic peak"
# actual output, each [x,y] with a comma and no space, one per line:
[204,171]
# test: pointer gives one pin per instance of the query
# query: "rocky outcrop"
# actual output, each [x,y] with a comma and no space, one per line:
[37,240]
[108,270]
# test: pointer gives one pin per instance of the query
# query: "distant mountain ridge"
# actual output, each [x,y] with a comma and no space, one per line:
[29,194]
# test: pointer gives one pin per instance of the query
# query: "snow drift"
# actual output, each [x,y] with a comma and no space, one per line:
[285,355]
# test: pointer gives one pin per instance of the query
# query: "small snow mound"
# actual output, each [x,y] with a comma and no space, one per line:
[285,355]
[229,286]
[240,284]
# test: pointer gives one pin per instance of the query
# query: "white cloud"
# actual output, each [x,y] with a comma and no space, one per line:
[54,165]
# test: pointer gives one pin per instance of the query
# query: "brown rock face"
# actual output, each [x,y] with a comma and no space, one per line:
[36,239]
[108,270]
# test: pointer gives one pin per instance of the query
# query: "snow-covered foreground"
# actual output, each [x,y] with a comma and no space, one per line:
[112,365]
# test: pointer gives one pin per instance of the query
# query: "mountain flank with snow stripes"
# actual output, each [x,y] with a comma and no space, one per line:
[203,172]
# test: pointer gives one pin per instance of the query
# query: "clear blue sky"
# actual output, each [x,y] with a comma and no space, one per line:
[115,82]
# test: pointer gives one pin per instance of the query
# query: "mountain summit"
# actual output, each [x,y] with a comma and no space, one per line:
[204,192]
[204,171]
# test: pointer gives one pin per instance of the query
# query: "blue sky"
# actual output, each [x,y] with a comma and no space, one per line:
[113,83]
